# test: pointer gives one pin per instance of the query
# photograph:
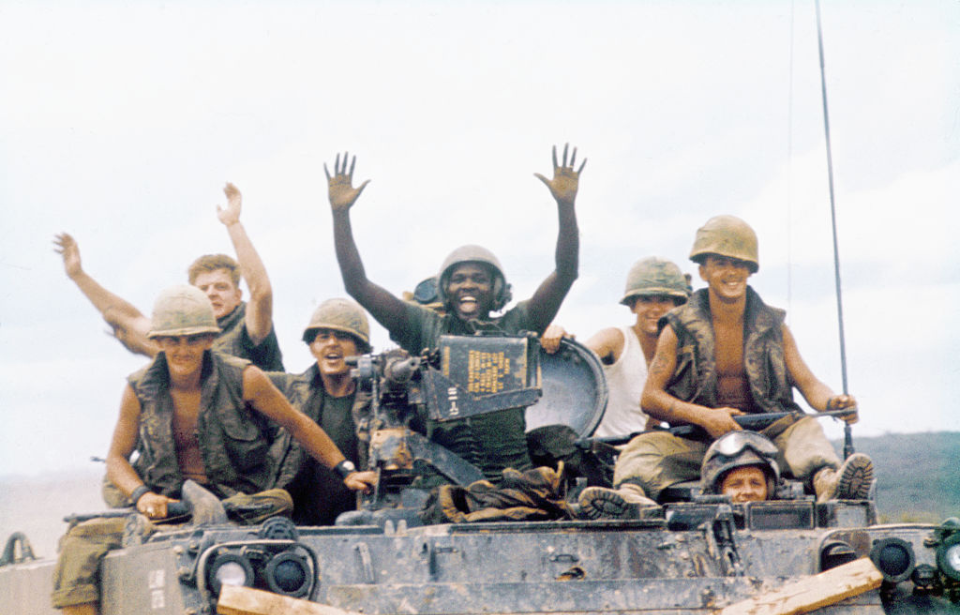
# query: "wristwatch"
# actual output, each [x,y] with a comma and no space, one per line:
[345,468]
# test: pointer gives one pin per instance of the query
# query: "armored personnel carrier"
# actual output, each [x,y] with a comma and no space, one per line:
[705,554]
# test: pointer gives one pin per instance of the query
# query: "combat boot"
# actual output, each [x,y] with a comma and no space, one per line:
[851,482]
[626,502]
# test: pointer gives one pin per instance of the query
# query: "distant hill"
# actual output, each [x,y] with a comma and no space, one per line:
[918,479]
[918,475]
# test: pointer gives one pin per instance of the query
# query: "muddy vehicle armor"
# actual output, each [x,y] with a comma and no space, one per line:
[703,555]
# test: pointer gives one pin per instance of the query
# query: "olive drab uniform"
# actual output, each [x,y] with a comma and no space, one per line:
[695,377]
[235,440]
[239,451]
[658,460]
[491,442]
[234,340]
[319,494]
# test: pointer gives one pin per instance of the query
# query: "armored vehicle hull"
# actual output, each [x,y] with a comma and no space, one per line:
[702,554]
[700,558]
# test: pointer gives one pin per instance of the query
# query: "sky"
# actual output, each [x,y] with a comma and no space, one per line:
[120,123]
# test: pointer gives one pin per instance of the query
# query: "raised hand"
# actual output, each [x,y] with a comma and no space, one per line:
[66,246]
[231,213]
[565,180]
[342,193]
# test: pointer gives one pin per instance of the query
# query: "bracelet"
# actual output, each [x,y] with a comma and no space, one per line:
[138,493]
[345,468]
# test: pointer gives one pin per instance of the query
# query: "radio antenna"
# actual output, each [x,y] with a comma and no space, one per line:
[847,436]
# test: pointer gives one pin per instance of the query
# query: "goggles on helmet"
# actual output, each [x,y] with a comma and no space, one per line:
[735,442]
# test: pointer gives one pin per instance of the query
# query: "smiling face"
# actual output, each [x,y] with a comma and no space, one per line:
[331,348]
[470,291]
[184,352]
[745,484]
[726,277]
[224,295]
[649,309]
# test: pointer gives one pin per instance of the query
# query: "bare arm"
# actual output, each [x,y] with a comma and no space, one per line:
[546,301]
[130,334]
[389,310]
[129,325]
[608,344]
[662,406]
[266,399]
[818,395]
[259,316]
[119,470]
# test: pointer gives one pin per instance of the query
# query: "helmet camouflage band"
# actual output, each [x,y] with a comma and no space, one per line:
[655,277]
[739,449]
[182,310]
[475,254]
[340,315]
[726,236]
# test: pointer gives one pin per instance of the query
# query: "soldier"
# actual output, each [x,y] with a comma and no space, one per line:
[723,354]
[654,287]
[246,329]
[328,394]
[471,285]
[198,415]
[742,465]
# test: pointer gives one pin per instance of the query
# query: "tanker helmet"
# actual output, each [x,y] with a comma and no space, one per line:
[653,276]
[726,236]
[738,449]
[182,310]
[340,315]
[475,254]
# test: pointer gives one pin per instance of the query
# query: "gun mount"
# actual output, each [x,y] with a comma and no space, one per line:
[462,378]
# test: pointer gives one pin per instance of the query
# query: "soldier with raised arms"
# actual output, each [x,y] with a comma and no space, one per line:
[472,286]
[195,415]
[723,354]
[246,328]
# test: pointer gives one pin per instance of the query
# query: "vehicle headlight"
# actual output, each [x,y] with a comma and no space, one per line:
[948,556]
[894,558]
[288,574]
[230,569]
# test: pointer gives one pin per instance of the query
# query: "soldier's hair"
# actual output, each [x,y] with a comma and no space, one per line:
[213,262]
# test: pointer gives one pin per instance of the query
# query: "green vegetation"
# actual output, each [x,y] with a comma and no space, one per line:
[918,475]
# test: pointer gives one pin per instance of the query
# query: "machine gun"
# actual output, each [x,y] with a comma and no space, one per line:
[463,377]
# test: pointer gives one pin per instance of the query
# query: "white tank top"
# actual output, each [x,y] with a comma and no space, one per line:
[625,380]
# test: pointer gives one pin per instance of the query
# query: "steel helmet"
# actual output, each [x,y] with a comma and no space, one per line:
[182,310]
[738,449]
[653,276]
[340,315]
[475,254]
[726,236]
